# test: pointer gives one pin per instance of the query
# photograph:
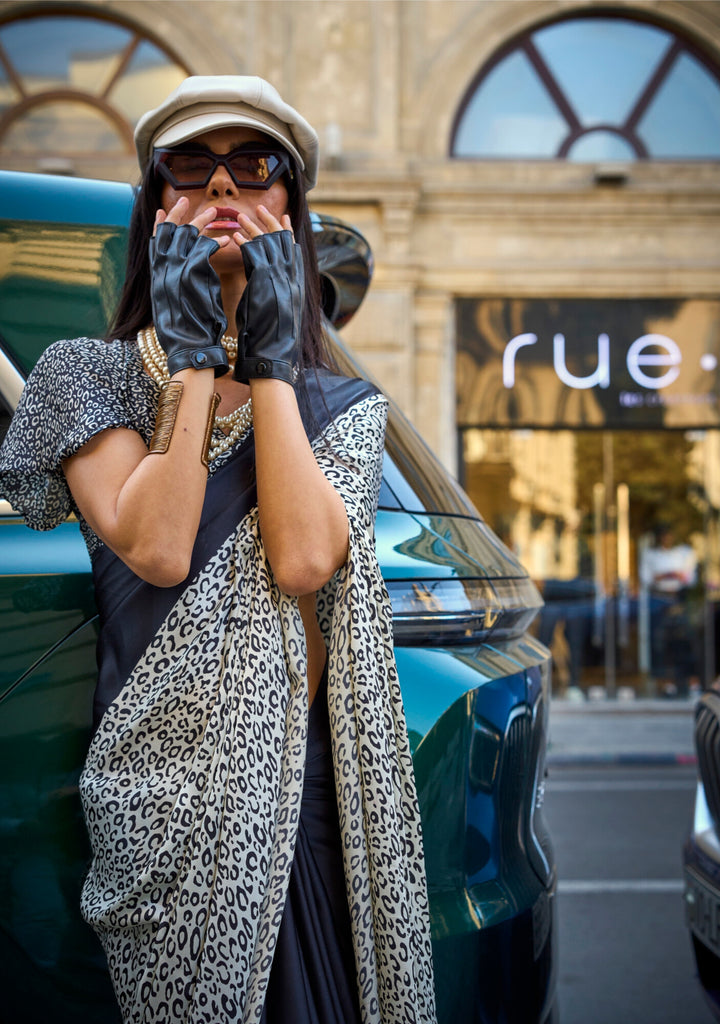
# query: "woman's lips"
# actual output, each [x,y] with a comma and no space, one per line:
[226,218]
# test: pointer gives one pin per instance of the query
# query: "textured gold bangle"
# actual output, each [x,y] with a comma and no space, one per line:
[214,403]
[168,405]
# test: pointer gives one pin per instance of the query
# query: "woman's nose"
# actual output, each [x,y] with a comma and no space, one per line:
[221,183]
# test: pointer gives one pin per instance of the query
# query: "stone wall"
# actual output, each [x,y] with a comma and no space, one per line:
[382,80]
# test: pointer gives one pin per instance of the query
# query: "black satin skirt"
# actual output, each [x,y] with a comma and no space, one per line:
[313,977]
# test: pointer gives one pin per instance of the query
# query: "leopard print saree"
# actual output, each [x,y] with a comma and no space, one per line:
[194,779]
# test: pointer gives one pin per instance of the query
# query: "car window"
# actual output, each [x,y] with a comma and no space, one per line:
[413,478]
[415,475]
[58,281]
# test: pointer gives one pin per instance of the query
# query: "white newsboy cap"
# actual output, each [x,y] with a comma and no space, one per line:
[204,102]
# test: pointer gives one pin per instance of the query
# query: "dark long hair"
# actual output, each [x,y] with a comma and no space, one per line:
[134,310]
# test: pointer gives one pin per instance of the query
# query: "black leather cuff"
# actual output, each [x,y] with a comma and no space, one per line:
[199,359]
[256,367]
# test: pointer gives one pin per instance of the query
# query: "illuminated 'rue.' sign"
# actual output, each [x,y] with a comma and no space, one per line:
[611,363]
[642,353]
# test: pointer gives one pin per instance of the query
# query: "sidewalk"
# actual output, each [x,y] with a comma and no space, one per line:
[621,732]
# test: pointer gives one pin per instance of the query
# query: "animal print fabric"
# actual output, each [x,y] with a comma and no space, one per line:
[78,388]
[193,782]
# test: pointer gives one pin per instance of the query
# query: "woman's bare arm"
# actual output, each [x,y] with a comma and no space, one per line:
[302,517]
[146,507]
[303,521]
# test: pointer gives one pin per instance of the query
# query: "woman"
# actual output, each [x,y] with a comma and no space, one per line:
[248,790]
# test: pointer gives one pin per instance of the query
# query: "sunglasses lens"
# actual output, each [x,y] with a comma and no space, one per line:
[189,168]
[253,168]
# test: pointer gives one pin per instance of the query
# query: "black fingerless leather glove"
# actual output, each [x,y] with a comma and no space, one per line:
[186,299]
[269,314]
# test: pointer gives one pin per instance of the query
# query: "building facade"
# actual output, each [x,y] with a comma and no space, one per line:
[523,169]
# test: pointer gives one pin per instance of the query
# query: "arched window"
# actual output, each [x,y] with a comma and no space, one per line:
[593,88]
[73,85]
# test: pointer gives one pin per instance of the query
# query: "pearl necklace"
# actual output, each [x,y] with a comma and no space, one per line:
[237,423]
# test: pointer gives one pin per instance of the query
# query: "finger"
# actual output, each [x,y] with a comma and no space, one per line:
[248,227]
[287,224]
[159,219]
[203,219]
[176,214]
[268,220]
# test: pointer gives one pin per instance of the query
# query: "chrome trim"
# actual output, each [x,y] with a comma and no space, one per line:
[539,733]
[707,746]
[11,381]
[11,387]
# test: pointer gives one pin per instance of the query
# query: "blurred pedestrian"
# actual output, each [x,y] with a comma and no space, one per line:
[668,570]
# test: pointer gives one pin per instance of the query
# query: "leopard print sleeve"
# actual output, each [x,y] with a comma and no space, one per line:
[77,389]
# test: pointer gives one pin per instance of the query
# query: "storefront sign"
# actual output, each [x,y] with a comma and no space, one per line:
[640,363]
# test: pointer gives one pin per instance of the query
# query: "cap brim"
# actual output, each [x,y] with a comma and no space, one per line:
[196,124]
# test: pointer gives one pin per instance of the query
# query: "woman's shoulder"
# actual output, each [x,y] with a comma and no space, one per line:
[83,351]
[341,392]
[88,367]
[83,379]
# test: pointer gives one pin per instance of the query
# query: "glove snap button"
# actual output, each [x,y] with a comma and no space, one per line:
[263,368]
[200,358]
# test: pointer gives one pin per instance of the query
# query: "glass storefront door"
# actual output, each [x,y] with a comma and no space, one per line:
[620,530]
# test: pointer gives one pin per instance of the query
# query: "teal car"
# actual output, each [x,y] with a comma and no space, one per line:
[475,682]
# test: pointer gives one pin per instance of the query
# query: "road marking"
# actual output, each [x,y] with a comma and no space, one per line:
[617,785]
[582,887]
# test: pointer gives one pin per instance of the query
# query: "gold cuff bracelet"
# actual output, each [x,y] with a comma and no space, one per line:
[214,403]
[168,405]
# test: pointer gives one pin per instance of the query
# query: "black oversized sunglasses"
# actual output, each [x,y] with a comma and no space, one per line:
[250,166]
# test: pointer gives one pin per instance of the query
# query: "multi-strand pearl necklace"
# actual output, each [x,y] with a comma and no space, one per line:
[236,423]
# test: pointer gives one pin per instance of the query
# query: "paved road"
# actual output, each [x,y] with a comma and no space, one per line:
[624,955]
[641,731]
